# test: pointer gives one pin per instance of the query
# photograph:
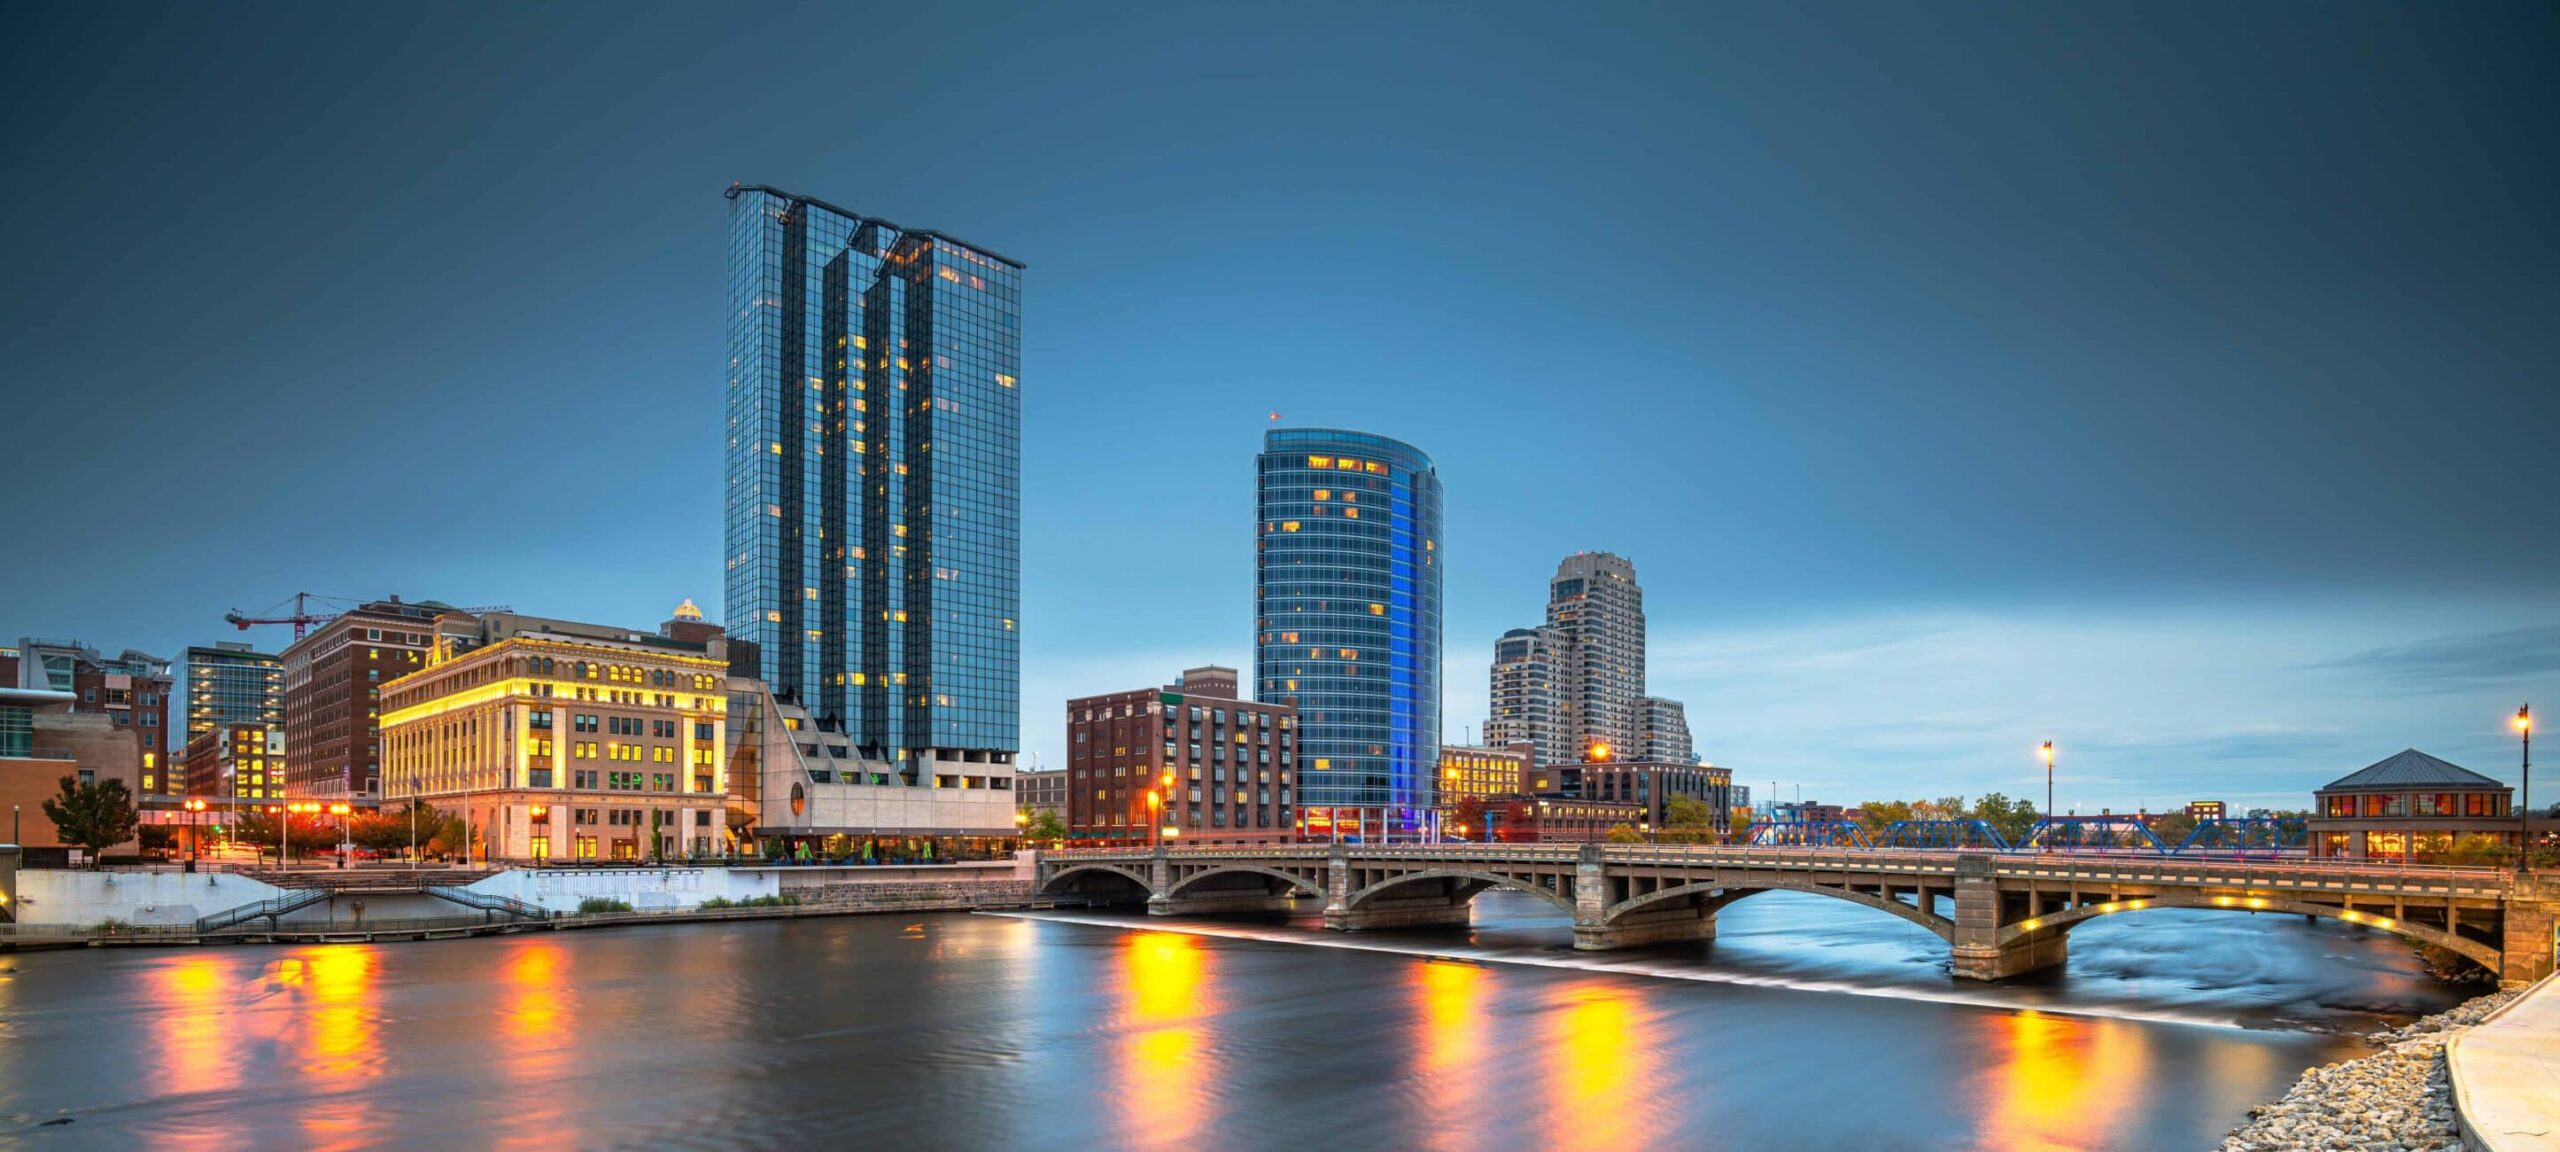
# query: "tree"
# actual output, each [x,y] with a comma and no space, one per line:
[2173,828]
[1469,819]
[96,816]
[1688,819]
[2477,849]
[1047,827]
[1875,816]
[157,838]
[2013,819]
[1624,834]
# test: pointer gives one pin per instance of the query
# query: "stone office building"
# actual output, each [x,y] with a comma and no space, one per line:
[558,740]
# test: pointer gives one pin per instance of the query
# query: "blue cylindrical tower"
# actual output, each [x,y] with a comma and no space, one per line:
[1347,620]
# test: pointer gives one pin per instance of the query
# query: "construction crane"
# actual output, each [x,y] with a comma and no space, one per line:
[302,617]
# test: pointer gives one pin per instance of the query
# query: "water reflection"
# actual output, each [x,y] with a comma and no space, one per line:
[2058,1082]
[1165,1094]
[186,1000]
[1601,1070]
[1449,1050]
[336,1033]
[533,1040]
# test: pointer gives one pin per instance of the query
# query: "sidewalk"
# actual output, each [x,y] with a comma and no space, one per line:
[2506,1075]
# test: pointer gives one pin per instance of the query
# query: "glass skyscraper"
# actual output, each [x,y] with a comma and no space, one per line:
[231,684]
[1347,618]
[874,464]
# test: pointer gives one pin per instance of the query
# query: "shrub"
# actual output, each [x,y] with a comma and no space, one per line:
[594,904]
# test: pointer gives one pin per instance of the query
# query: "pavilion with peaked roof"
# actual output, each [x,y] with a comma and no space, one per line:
[2409,806]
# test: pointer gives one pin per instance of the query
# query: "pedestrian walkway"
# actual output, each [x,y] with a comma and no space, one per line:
[2506,1075]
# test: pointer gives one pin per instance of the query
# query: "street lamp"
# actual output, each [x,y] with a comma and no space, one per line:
[195,833]
[540,814]
[2048,796]
[1155,806]
[2524,822]
[346,840]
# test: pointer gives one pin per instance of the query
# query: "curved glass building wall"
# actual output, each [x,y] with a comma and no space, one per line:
[1347,616]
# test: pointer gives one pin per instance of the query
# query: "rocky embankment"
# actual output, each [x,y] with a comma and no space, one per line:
[2396,1100]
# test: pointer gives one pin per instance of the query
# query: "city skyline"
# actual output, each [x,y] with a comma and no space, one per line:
[1925,470]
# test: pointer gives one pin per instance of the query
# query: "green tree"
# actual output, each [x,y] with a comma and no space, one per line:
[1875,816]
[2011,818]
[1625,834]
[1046,827]
[96,816]
[2172,828]
[2477,849]
[1687,820]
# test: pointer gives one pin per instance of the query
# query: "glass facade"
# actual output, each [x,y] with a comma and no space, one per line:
[873,475]
[228,685]
[1347,614]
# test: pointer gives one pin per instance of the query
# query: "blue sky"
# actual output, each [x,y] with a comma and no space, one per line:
[2173,383]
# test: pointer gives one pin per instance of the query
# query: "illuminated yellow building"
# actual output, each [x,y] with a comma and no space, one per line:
[1470,775]
[564,741]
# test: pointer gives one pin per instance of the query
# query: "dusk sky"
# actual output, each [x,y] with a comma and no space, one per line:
[2175,383]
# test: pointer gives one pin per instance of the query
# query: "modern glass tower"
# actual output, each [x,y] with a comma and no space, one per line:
[874,464]
[231,684]
[1347,618]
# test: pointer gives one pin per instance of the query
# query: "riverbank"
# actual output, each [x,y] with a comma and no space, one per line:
[828,899]
[2397,1098]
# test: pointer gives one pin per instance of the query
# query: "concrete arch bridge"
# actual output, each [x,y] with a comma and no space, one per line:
[2000,914]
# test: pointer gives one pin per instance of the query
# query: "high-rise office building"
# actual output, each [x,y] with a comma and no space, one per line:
[230,684]
[1666,733]
[874,503]
[1347,575]
[1525,708]
[1577,682]
[1596,609]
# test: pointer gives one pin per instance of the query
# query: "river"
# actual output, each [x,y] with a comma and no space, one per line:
[1808,1024]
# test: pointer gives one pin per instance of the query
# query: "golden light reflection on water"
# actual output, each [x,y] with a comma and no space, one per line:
[1603,1073]
[533,1039]
[1166,1073]
[337,1039]
[2059,1082]
[186,1000]
[1451,1010]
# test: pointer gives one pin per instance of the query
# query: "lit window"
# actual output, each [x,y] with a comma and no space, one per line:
[1324,493]
[1288,525]
[1377,609]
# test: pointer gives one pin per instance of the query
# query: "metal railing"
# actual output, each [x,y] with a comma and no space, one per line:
[488,902]
[292,901]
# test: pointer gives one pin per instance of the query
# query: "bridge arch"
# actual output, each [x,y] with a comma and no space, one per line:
[2485,955]
[1716,896]
[1482,879]
[1298,883]
[1054,883]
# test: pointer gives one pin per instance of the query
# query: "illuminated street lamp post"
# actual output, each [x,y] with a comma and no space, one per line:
[540,814]
[1021,827]
[2048,796]
[195,833]
[2524,822]
[1155,816]
[346,839]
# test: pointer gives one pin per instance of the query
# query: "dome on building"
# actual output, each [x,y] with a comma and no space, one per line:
[686,610]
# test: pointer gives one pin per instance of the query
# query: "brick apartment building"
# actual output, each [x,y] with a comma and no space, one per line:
[333,681]
[1233,763]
